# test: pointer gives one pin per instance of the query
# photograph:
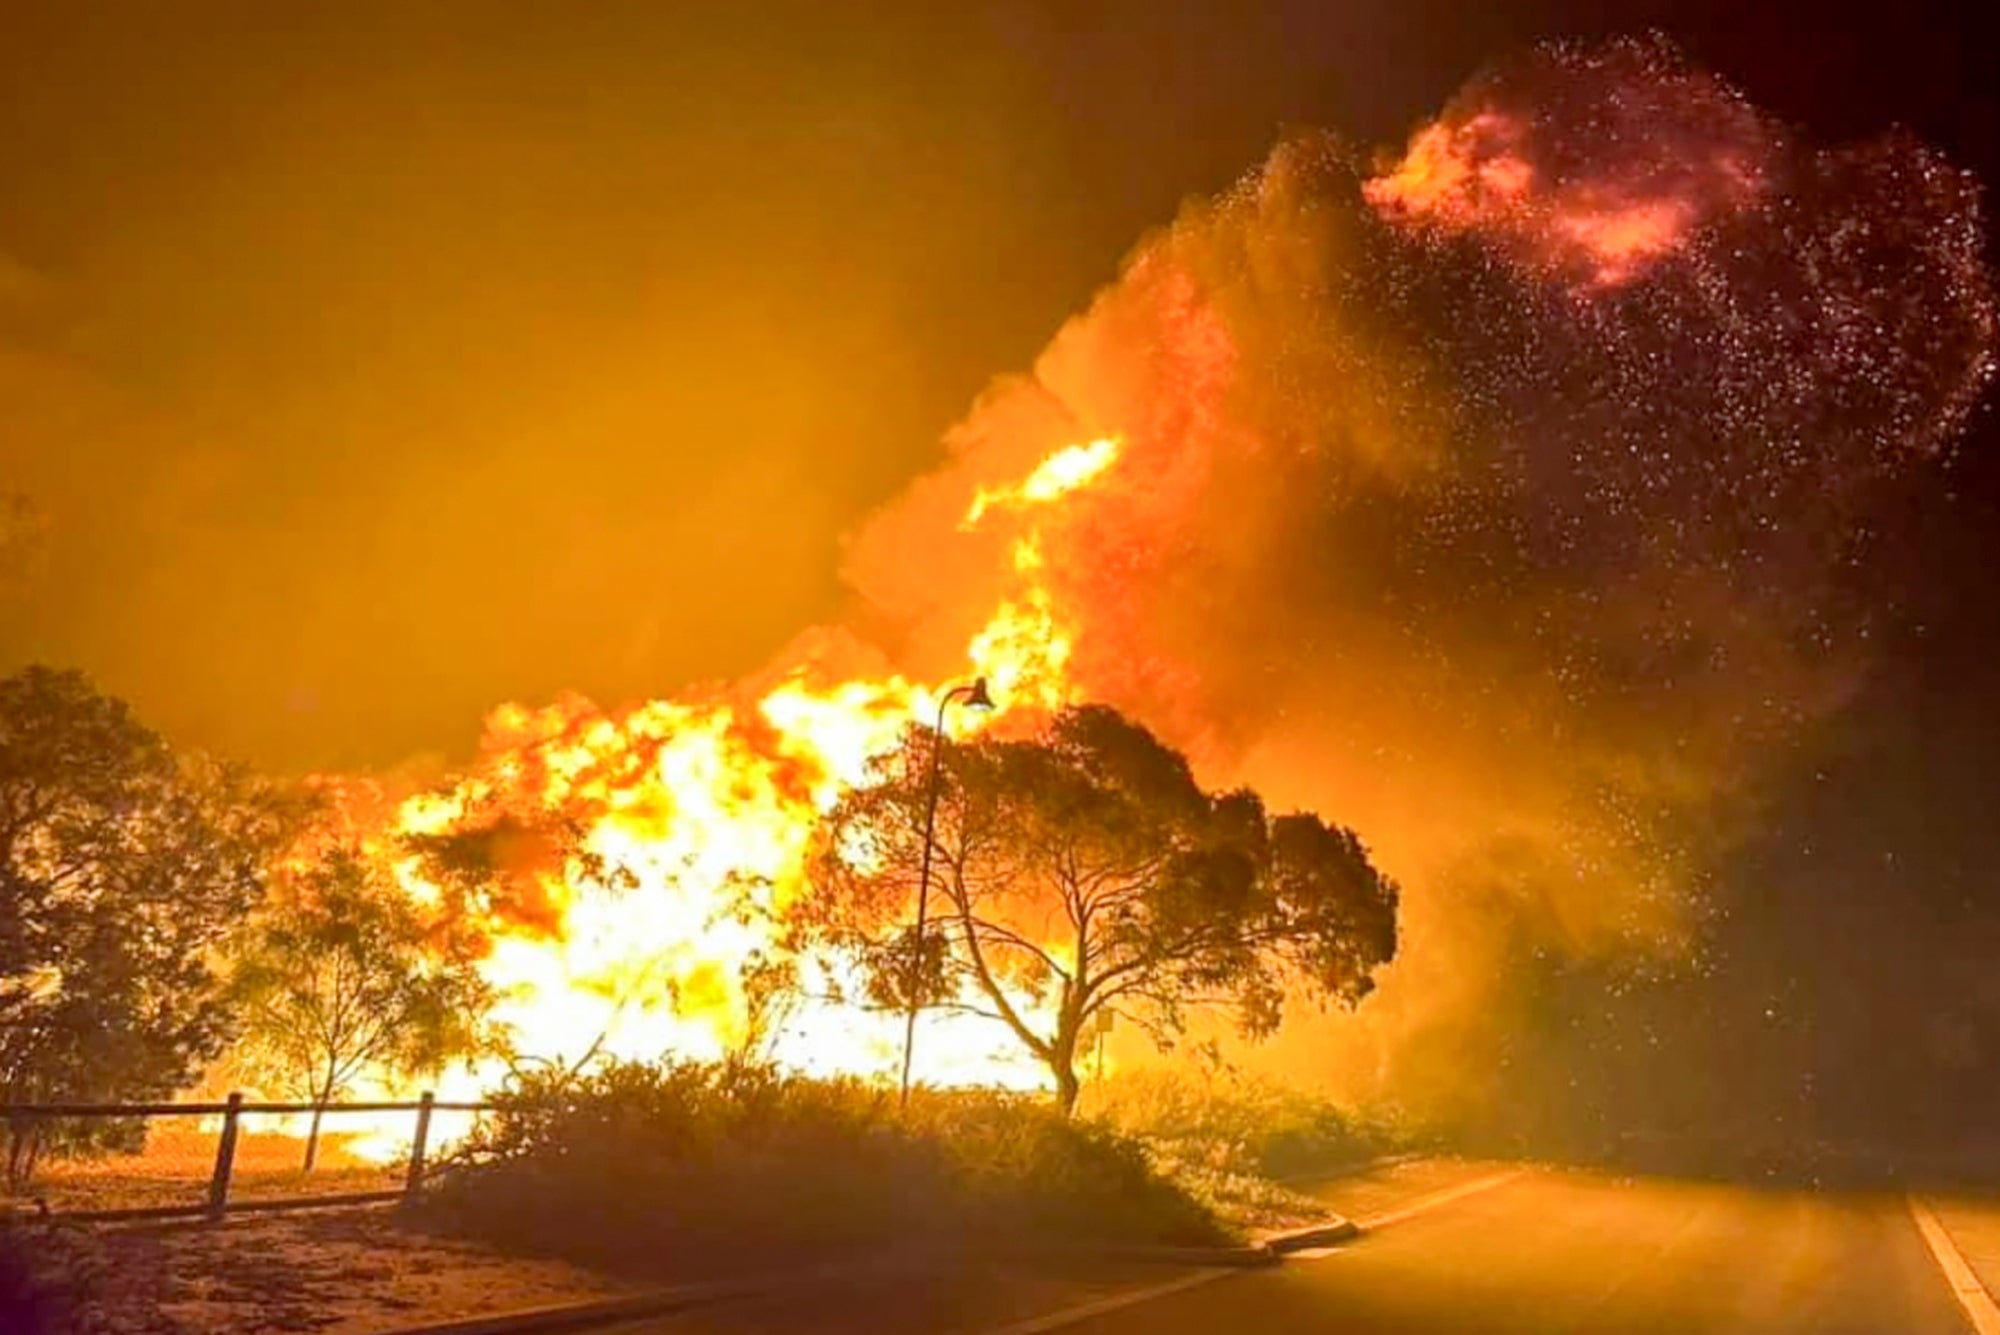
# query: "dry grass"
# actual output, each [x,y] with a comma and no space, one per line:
[178,1162]
[336,1272]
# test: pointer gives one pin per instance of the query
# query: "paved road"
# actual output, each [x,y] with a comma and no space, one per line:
[1553,1252]
[1546,1251]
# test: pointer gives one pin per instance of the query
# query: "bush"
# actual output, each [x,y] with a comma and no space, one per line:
[680,1165]
[1226,1138]
[1238,1124]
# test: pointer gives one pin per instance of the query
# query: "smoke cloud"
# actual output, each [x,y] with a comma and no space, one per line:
[1492,499]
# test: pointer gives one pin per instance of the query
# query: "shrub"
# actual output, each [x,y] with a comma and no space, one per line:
[1225,1138]
[1238,1124]
[681,1164]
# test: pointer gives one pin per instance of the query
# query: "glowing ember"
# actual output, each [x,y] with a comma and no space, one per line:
[1633,183]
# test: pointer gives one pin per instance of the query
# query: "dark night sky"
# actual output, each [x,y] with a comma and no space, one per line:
[374,364]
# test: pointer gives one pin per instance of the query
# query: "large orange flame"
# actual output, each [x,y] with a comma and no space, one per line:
[693,818]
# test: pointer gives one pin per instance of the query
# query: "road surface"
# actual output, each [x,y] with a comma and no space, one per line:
[1541,1251]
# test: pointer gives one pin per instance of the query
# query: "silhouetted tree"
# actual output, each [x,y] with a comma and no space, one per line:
[772,993]
[342,973]
[1086,869]
[122,869]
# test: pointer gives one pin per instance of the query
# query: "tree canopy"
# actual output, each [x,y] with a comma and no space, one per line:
[342,973]
[1084,872]
[122,867]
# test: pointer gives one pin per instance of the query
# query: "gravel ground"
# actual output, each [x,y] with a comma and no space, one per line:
[338,1272]
[354,1271]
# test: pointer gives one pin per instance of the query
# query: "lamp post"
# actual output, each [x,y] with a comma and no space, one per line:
[975,698]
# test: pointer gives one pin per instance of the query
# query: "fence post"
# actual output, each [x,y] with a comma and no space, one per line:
[225,1158]
[415,1182]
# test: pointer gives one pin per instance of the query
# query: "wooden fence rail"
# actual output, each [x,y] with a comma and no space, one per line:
[232,1111]
[218,1109]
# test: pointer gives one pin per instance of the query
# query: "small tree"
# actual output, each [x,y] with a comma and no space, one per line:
[1084,872]
[344,974]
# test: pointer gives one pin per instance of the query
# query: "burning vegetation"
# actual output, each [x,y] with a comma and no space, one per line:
[1490,500]
[739,875]
[1493,500]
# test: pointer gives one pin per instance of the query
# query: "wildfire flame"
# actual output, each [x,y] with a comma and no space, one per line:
[1056,476]
[1474,527]
[693,822]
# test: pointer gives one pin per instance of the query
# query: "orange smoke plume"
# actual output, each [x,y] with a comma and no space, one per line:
[1519,590]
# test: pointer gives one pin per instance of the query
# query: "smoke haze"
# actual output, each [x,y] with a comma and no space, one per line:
[1510,496]
[1496,503]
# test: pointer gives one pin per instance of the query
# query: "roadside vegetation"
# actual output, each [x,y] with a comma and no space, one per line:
[341,976]
[1235,1141]
[123,869]
[1084,866]
[159,910]
[639,1167]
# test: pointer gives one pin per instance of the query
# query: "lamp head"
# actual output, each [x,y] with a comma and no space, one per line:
[979,697]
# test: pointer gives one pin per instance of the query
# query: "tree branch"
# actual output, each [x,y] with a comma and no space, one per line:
[1039,1046]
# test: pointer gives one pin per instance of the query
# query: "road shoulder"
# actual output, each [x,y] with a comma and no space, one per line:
[1964,1240]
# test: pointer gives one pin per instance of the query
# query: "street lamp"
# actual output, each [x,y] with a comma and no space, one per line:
[975,698]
